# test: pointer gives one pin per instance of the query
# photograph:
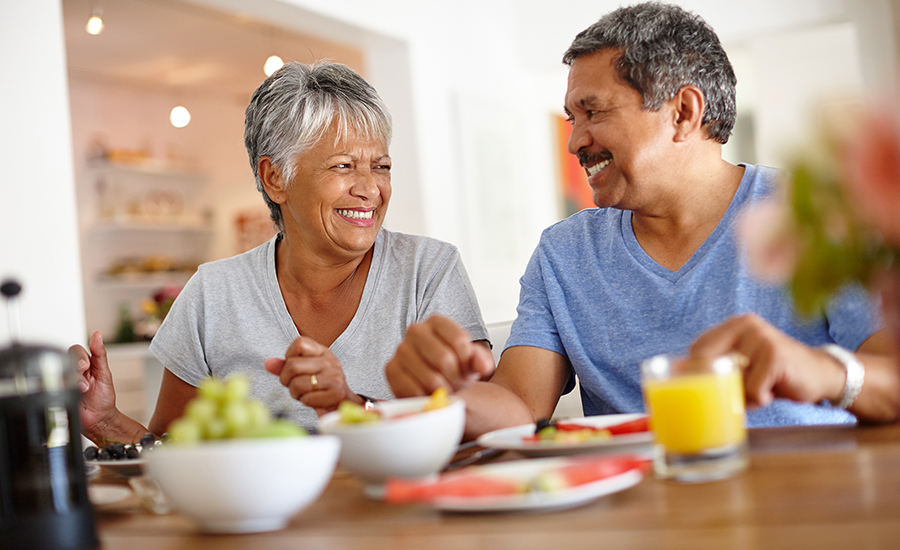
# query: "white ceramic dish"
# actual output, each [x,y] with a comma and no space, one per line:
[126,467]
[101,495]
[525,470]
[405,443]
[244,485]
[511,439]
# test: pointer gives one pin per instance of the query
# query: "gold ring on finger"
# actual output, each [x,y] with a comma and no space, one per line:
[314,382]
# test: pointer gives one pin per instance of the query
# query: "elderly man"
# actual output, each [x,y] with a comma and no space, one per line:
[651,100]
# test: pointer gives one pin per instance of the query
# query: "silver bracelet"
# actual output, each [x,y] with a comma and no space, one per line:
[856,373]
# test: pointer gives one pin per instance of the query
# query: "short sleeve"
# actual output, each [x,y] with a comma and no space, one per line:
[449,292]
[178,343]
[853,316]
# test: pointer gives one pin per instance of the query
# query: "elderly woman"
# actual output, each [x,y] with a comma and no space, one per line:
[333,292]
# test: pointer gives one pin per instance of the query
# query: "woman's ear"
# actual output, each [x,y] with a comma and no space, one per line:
[689,105]
[272,181]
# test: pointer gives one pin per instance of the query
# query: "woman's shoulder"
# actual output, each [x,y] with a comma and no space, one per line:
[405,244]
[237,266]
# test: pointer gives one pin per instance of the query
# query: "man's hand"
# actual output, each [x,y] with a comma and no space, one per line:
[313,375]
[437,353]
[779,366]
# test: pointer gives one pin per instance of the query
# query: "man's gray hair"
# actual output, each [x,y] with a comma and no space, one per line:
[664,48]
[293,108]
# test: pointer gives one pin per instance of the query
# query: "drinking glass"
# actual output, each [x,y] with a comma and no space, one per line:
[696,410]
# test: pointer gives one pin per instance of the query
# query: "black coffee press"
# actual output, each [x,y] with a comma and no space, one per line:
[43,489]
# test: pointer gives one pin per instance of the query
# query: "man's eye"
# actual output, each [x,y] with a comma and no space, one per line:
[383,167]
[343,166]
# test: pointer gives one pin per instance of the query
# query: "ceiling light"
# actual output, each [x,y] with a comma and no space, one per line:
[272,64]
[95,23]
[179,117]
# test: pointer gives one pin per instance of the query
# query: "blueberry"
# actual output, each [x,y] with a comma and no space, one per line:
[148,440]
[90,453]
[103,454]
[131,452]
[116,450]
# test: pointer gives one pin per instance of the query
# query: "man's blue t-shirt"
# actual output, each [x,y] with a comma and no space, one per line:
[591,294]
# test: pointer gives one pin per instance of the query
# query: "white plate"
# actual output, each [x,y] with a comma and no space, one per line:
[511,439]
[525,470]
[101,495]
[126,467]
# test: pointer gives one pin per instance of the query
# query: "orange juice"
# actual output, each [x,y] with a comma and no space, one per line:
[692,413]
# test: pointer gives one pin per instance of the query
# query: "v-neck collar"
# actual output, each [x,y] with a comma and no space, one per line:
[284,317]
[641,256]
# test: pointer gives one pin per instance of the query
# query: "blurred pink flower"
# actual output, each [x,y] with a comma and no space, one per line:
[767,235]
[873,170]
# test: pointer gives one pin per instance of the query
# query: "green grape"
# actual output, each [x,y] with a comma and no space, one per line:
[259,414]
[237,388]
[185,430]
[353,413]
[211,389]
[237,417]
[279,428]
[216,428]
[225,410]
[201,410]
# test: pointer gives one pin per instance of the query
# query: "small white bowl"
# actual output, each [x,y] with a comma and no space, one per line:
[405,443]
[244,485]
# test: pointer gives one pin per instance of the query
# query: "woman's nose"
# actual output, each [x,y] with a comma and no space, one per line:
[365,185]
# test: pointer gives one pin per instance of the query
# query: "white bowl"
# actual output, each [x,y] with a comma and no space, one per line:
[244,485]
[405,443]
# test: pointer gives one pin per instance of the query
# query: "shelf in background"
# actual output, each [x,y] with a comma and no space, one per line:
[143,280]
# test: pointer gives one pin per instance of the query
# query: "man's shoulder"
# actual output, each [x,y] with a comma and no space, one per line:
[765,180]
[587,221]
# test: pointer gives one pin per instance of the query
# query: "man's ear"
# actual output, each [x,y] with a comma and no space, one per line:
[272,181]
[689,105]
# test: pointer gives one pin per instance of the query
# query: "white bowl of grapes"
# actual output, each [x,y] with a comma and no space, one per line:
[233,468]
[410,438]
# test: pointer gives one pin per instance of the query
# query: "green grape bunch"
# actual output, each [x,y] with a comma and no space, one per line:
[223,409]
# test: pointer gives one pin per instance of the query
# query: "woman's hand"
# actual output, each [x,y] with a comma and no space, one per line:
[313,375]
[98,396]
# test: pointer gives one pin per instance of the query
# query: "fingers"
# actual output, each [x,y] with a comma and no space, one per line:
[312,374]
[274,365]
[91,365]
[436,353]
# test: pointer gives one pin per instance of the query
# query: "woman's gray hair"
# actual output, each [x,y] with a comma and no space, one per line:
[293,108]
[664,48]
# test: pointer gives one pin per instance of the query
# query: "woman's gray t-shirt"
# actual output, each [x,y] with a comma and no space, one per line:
[230,317]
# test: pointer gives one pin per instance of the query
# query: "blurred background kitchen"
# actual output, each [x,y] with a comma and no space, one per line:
[109,200]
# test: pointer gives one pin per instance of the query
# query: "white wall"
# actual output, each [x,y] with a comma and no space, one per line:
[485,77]
[471,85]
[38,232]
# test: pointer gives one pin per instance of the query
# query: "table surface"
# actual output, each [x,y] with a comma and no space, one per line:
[812,487]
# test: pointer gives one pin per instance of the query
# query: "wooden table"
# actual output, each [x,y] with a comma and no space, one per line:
[819,488]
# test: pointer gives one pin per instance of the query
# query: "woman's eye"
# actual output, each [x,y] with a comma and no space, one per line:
[344,166]
[383,167]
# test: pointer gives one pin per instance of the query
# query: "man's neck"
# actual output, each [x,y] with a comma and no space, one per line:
[687,211]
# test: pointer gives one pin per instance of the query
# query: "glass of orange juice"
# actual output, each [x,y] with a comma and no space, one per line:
[696,410]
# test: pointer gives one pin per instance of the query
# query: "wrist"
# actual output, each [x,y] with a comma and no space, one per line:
[854,375]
